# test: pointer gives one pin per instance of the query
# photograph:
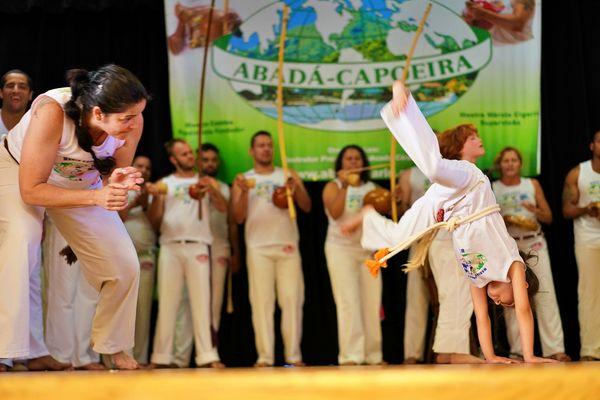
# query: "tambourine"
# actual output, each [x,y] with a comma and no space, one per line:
[522,222]
[380,199]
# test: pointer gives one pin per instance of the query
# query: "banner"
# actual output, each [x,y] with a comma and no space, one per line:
[475,63]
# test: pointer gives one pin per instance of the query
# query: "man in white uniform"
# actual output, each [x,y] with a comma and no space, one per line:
[581,202]
[223,252]
[143,236]
[272,255]
[184,254]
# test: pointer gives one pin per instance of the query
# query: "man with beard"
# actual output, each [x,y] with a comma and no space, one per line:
[184,254]
[143,235]
[224,254]
[272,255]
[16,94]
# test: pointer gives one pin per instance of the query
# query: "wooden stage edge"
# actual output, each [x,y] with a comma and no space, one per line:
[465,382]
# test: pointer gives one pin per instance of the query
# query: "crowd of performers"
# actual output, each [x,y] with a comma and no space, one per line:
[82,227]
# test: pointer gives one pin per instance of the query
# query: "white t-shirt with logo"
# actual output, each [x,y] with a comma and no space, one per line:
[587,228]
[354,202]
[139,227]
[511,198]
[73,167]
[267,224]
[180,219]
[219,226]
[483,248]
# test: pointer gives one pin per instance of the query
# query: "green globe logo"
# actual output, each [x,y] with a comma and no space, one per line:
[341,57]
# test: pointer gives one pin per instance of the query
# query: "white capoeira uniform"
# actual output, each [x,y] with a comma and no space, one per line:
[510,199]
[274,269]
[587,252]
[483,247]
[97,236]
[357,295]
[144,239]
[70,305]
[183,260]
[417,293]
[220,257]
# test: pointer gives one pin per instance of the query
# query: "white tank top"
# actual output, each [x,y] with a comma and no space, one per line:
[180,219]
[73,167]
[511,198]
[502,36]
[266,224]
[354,202]
[139,227]
[418,184]
[218,221]
[587,228]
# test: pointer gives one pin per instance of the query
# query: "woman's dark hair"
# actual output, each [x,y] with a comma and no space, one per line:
[364,175]
[113,89]
[532,280]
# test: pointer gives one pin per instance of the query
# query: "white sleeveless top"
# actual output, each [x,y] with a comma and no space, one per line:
[587,228]
[219,227]
[139,227]
[501,36]
[418,184]
[3,128]
[511,198]
[73,167]
[267,224]
[180,219]
[354,202]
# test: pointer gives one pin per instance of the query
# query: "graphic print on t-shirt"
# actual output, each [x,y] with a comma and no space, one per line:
[182,192]
[473,263]
[73,169]
[265,190]
[354,202]
[512,202]
[594,190]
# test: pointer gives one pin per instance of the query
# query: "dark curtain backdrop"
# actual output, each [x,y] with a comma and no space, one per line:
[45,38]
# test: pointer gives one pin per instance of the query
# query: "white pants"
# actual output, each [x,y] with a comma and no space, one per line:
[220,258]
[417,309]
[71,304]
[454,296]
[275,273]
[144,306]
[588,293]
[357,297]
[101,243]
[545,304]
[182,264]
[37,345]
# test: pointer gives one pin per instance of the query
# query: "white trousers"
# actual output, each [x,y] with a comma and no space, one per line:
[71,304]
[357,297]
[106,253]
[545,304]
[415,317]
[588,293]
[182,264]
[220,257]
[454,296]
[275,274]
[144,306]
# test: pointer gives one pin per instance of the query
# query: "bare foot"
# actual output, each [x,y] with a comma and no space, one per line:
[457,358]
[214,364]
[411,361]
[3,368]
[296,364]
[589,358]
[262,364]
[120,360]
[562,357]
[348,364]
[47,363]
[92,367]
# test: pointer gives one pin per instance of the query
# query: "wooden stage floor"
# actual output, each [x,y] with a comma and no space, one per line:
[483,382]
